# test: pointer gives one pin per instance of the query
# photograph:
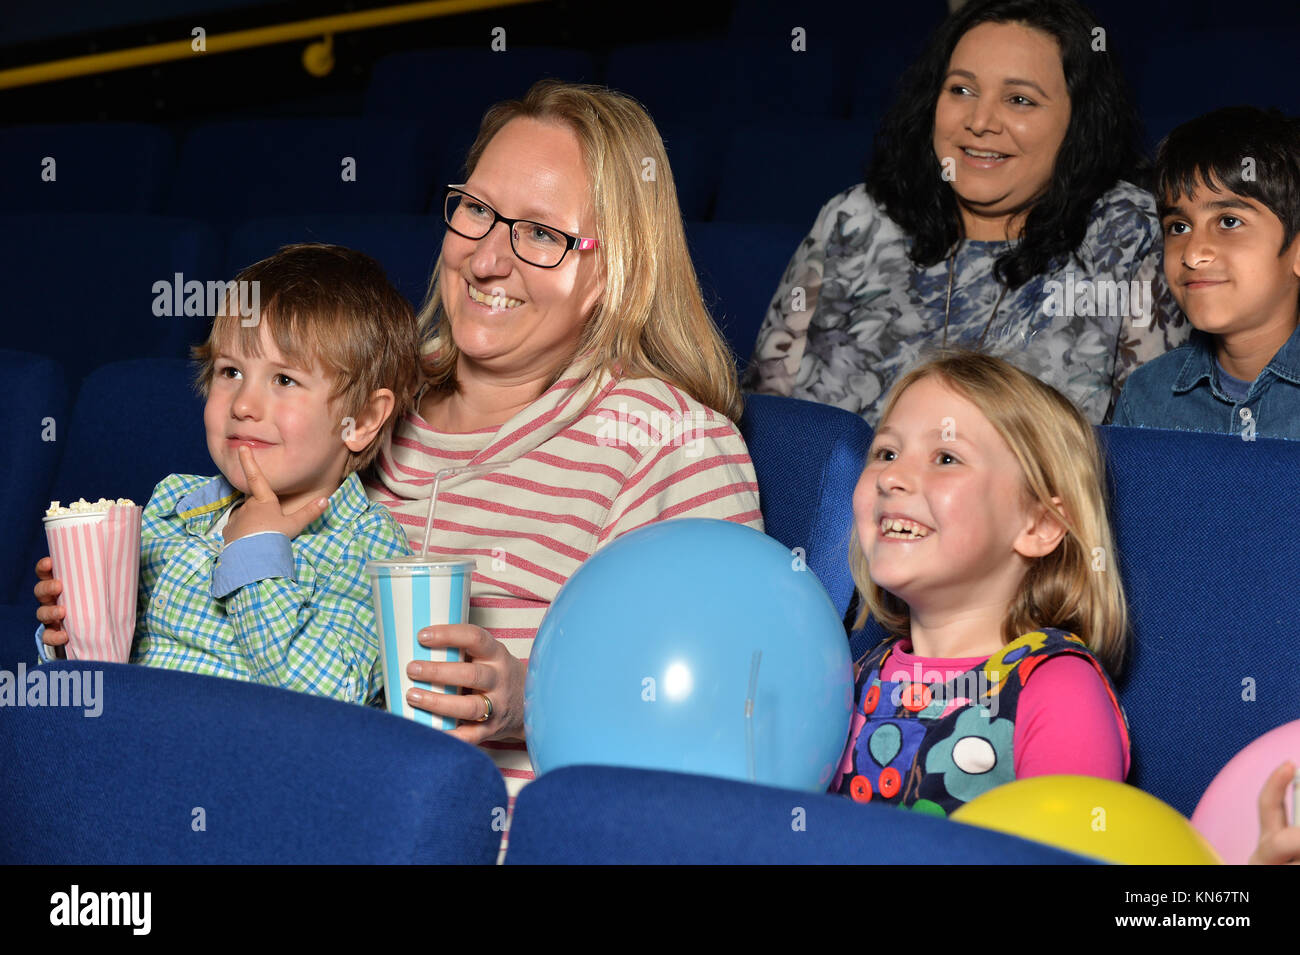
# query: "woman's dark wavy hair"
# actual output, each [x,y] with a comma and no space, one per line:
[1100,145]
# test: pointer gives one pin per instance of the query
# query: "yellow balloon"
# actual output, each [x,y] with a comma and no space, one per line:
[1101,818]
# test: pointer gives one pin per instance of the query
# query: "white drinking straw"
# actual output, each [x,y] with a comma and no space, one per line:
[448,473]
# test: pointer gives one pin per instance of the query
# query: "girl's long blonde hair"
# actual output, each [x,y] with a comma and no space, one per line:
[651,321]
[1076,587]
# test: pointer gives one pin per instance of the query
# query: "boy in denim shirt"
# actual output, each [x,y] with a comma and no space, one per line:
[1229,200]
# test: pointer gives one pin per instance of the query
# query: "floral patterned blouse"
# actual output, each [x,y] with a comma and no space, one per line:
[853,313]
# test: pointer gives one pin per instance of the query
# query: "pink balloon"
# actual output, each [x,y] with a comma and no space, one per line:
[1228,813]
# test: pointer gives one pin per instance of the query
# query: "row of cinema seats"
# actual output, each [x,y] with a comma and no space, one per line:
[1208,548]
[768,171]
[94,278]
[755,133]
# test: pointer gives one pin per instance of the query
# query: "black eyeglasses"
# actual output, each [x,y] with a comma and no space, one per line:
[534,243]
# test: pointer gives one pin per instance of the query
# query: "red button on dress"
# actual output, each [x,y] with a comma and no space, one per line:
[860,789]
[891,781]
[870,699]
[916,697]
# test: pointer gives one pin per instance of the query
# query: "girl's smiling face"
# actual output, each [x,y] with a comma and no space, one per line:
[942,514]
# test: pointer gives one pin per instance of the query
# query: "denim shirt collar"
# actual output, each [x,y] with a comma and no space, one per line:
[1200,362]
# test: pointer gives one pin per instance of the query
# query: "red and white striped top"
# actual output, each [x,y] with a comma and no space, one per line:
[582,465]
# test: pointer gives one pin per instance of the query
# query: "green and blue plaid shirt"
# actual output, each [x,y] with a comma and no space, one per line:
[295,614]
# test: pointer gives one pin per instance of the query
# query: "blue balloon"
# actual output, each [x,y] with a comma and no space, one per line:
[647,655]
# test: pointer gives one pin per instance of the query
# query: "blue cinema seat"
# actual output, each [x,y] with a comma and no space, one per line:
[1208,534]
[406,246]
[692,150]
[33,430]
[236,170]
[739,267]
[273,776]
[677,81]
[808,458]
[85,167]
[458,84]
[607,815]
[86,295]
[783,170]
[1262,74]
[133,423]
[720,82]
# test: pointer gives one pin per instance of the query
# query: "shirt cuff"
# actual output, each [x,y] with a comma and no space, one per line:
[253,558]
[42,651]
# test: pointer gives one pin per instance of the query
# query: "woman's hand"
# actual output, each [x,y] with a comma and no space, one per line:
[490,670]
[1279,844]
[47,592]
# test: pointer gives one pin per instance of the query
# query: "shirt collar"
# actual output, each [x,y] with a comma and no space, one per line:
[1200,362]
[200,508]
[1286,363]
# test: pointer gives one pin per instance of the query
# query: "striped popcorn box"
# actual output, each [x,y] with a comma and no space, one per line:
[96,556]
[410,594]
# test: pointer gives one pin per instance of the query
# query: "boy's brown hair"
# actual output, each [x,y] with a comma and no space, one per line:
[333,310]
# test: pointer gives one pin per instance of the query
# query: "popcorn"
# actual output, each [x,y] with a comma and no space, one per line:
[83,506]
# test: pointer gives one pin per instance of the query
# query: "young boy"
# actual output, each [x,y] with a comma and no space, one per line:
[1229,184]
[259,573]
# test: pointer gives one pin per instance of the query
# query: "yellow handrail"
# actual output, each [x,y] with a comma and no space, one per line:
[241,40]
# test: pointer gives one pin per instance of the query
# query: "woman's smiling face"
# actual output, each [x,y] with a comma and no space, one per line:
[999,123]
[510,317]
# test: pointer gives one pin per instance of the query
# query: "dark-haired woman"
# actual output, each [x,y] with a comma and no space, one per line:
[995,215]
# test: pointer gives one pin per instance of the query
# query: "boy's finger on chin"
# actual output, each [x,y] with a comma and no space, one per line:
[256,483]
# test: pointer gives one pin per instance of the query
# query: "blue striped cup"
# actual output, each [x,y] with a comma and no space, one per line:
[410,594]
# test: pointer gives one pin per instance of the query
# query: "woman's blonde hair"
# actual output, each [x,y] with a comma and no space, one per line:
[1076,587]
[651,321]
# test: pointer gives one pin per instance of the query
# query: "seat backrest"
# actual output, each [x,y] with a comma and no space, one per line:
[772,174]
[808,458]
[164,767]
[608,815]
[739,265]
[88,293]
[1208,538]
[235,170]
[134,422]
[406,246]
[32,428]
[401,84]
[85,167]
